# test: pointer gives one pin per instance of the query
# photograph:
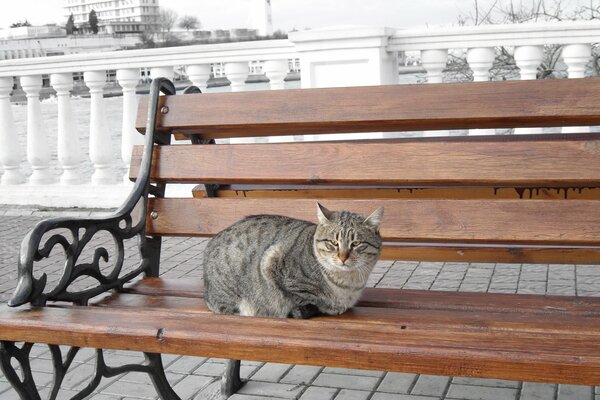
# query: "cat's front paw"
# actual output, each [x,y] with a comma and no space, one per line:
[335,310]
[304,312]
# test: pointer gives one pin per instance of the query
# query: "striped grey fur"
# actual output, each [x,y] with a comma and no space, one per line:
[271,265]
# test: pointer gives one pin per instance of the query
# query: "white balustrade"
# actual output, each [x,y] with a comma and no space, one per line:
[342,56]
[38,150]
[101,151]
[199,75]
[68,147]
[10,153]
[128,79]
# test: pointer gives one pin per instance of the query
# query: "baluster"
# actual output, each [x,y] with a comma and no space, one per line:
[101,149]
[480,61]
[162,72]
[528,59]
[128,79]
[68,147]
[10,153]
[38,150]
[237,73]
[198,75]
[576,56]
[434,62]
[276,71]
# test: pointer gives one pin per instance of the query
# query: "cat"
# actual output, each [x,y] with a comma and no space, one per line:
[276,266]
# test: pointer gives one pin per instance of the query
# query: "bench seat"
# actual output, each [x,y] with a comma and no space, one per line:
[519,337]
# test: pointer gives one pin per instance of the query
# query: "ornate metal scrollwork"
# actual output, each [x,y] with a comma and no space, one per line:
[26,388]
[120,225]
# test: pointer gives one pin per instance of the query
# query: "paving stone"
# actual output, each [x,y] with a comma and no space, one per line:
[396,382]
[319,393]
[575,392]
[485,382]
[271,372]
[430,385]
[389,396]
[349,394]
[470,392]
[185,364]
[191,384]
[301,374]
[537,391]
[346,381]
[105,397]
[282,390]
[131,389]
[348,371]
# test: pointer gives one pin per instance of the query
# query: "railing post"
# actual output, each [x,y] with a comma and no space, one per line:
[576,56]
[164,72]
[38,151]
[434,61]
[100,141]
[10,152]
[276,71]
[237,73]
[480,60]
[199,74]
[128,79]
[528,59]
[68,138]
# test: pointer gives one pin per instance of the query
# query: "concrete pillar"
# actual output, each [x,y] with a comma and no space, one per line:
[38,150]
[68,147]
[576,56]
[10,153]
[101,151]
[128,79]
[346,56]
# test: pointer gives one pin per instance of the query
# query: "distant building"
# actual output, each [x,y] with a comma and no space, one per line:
[115,16]
[52,40]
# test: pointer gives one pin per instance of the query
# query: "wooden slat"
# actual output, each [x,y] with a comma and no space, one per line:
[478,345]
[176,291]
[382,108]
[466,221]
[495,162]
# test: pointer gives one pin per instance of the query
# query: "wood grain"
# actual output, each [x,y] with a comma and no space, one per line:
[505,104]
[496,163]
[479,344]
[573,222]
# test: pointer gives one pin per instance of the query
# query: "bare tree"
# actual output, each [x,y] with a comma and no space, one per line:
[167,19]
[188,22]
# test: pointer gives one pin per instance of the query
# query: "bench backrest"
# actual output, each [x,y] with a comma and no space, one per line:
[450,224]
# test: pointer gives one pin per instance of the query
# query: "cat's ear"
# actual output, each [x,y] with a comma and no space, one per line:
[323,214]
[374,220]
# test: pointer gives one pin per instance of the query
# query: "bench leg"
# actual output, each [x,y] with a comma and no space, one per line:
[159,380]
[231,381]
[24,387]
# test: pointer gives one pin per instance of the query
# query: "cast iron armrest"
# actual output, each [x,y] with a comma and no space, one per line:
[121,225]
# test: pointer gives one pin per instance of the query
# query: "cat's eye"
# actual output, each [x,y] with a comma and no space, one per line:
[355,244]
[333,243]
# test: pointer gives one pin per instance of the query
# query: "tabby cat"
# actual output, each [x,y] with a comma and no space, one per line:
[271,265]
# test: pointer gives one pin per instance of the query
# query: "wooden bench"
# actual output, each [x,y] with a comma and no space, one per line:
[446,199]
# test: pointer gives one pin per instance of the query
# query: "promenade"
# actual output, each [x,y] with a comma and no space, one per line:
[197,378]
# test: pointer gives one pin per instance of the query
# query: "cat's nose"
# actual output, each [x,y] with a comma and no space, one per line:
[343,257]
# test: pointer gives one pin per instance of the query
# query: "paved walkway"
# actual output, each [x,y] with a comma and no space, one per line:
[196,378]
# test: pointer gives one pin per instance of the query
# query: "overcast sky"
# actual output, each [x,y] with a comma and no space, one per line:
[287,14]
